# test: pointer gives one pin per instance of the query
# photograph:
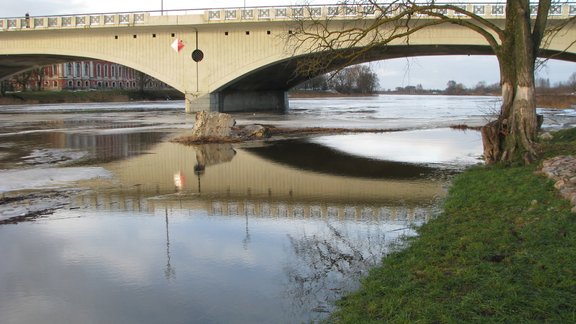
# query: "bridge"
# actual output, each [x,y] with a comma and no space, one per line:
[232,59]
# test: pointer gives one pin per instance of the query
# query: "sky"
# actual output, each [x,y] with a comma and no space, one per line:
[430,72]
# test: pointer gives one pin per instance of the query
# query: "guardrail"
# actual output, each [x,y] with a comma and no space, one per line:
[342,11]
[348,11]
[76,21]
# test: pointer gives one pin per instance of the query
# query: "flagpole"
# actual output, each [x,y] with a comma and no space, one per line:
[162,7]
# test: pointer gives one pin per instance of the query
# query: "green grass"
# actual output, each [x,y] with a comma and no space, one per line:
[503,251]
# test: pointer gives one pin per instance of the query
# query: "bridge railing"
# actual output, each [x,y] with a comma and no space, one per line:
[74,21]
[336,11]
[348,11]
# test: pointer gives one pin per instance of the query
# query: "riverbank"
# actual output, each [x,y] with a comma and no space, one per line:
[503,250]
[51,97]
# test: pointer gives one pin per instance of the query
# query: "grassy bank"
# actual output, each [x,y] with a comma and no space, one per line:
[503,250]
[48,97]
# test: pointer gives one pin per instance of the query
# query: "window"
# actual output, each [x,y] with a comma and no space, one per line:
[98,70]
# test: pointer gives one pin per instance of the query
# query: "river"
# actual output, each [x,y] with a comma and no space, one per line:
[143,230]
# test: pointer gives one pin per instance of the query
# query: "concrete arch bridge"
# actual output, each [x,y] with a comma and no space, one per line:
[227,60]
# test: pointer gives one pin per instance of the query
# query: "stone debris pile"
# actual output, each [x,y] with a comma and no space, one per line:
[562,169]
[215,127]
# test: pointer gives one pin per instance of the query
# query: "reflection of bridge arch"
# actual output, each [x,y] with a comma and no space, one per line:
[246,63]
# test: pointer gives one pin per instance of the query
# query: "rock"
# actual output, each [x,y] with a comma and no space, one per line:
[254,131]
[562,169]
[560,184]
[546,136]
[212,125]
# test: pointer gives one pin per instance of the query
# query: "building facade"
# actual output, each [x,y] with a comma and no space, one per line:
[85,75]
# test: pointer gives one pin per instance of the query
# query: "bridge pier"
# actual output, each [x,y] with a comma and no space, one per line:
[237,101]
[195,102]
[247,101]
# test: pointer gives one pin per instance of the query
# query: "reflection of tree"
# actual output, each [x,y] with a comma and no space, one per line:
[328,264]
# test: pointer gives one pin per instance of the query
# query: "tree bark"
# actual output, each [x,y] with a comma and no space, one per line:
[512,136]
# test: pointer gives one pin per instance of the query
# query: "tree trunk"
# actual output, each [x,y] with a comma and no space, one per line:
[512,136]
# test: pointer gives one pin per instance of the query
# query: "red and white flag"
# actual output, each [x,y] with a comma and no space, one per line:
[177,45]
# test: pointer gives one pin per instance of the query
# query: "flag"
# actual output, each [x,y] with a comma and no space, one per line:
[177,45]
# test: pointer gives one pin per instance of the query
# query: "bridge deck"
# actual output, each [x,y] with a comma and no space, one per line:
[249,14]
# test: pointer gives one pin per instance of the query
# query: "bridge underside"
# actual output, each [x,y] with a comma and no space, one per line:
[14,64]
[266,88]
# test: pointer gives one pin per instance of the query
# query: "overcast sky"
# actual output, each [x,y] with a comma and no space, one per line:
[431,72]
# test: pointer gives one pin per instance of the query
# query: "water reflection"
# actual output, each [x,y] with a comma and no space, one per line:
[250,176]
[206,155]
[308,155]
[276,242]
[56,147]
[170,272]
[441,146]
[212,234]
[323,265]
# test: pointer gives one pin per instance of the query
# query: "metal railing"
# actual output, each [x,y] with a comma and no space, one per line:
[249,14]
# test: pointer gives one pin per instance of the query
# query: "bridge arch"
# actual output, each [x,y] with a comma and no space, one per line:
[12,64]
[258,80]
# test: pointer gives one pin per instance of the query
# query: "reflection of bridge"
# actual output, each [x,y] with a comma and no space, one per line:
[233,59]
[260,208]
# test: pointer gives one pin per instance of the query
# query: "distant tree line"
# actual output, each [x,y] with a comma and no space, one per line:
[357,79]
[543,86]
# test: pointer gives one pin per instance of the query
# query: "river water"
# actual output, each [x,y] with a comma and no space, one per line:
[143,230]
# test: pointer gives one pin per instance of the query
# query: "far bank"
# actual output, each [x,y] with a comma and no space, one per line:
[551,100]
[52,97]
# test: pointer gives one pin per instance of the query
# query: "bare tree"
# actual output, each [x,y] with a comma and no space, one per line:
[38,77]
[516,43]
[23,79]
[572,80]
[143,80]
